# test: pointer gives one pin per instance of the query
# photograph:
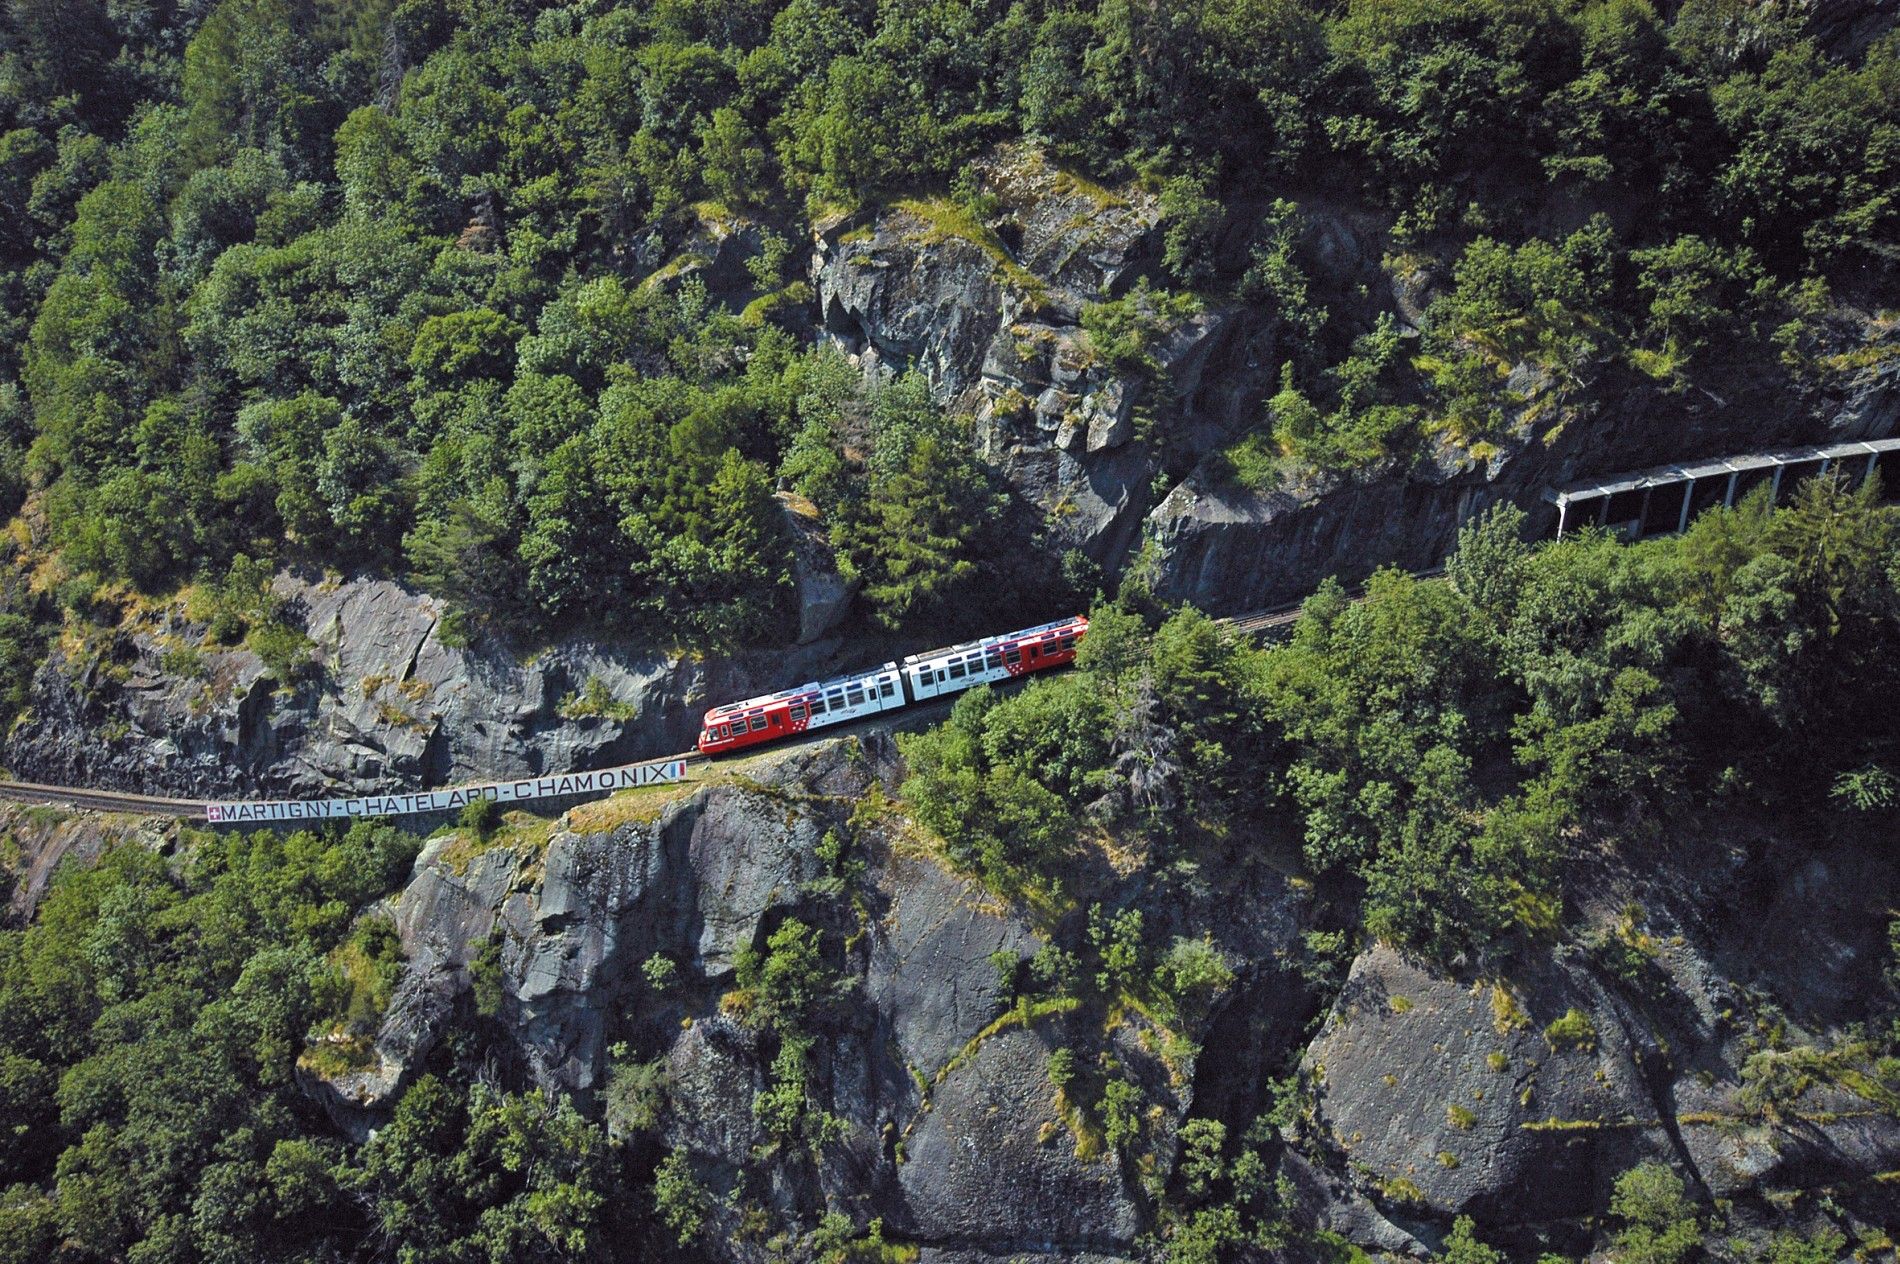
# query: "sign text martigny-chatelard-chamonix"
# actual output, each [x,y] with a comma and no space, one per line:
[601,781]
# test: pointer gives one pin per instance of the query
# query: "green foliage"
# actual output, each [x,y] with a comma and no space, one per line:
[478,816]
[635,1096]
[1869,789]
[1537,303]
[921,522]
[789,985]
[22,645]
[1659,1225]
[679,1199]
[262,295]
[1124,331]
[1357,416]
[485,977]
[1121,1113]
[660,971]
[1572,1030]
[172,1000]
[1463,1247]
[491,1174]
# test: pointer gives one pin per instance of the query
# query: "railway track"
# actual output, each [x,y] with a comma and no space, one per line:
[35,795]
[1267,621]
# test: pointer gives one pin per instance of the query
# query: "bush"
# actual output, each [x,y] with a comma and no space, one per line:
[484,972]
[679,1199]
[635,1096]
[660,971]
[1572,1031]
[478,817]
[1659,1224]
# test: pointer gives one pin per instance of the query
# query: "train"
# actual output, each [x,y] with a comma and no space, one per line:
[893,685]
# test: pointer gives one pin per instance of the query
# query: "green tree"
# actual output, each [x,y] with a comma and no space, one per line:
[1659,1225]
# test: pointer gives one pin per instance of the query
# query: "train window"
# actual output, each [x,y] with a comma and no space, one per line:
[798,712]
[853,695]
[956,669]
[818,705]
[1068,643]
[836,698]
[1013,656]
[888,688]
[757,723]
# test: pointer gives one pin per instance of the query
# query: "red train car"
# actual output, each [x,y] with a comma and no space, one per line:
[756,721]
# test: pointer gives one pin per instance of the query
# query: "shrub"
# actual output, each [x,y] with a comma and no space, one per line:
[660,971]
[1121,1113]
[1659,1224]
[478,816]
[635,1096]
[484,972]
[679,1199]
[1573,1031]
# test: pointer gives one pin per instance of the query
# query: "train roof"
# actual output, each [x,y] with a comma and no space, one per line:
[799,691]
[999,638]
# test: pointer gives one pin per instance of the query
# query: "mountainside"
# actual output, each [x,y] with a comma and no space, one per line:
[396,393]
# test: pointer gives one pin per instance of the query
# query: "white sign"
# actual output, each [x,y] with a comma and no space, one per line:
[606,779]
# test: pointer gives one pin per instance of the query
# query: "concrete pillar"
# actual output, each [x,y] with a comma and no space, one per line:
[1728,497]
[1688,494]
[1563,509]
[1774,487]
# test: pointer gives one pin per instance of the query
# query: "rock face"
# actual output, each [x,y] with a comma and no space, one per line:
[34,844]
[387,703]
[1519,1098]
[1229,551]
[990,312]
[952,1131]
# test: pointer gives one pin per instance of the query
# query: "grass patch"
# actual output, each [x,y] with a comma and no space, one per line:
[639,805]
[1251,463]
[1021,1015]
[947,220]
[595,701]
[1104,198]
[520,832]
[1573,1031]
[1459,1117]
[1507,1015]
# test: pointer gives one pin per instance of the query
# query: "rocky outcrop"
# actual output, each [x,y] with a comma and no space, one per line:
[35,842]
[953,1132]
[1227,549]
[987,304]
[388,700]
[1519,1097]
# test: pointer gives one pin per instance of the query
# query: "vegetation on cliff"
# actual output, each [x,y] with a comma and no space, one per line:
[427,286]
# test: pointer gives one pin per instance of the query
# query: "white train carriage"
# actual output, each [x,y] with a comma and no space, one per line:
[994,658]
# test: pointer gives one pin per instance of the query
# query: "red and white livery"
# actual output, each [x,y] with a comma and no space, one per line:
[920,678]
